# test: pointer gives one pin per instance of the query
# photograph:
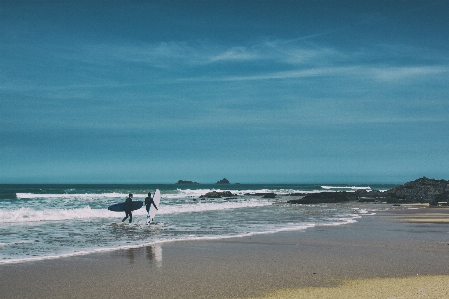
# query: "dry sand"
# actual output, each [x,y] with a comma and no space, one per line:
[382,256]
[410,287]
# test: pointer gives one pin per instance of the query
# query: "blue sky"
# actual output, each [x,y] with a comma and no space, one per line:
[254,91]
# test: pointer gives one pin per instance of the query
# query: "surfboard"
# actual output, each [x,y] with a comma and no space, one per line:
[157,200]
[120,207]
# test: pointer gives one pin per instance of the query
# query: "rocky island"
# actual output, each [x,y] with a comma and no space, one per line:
[182,182]
[223,181]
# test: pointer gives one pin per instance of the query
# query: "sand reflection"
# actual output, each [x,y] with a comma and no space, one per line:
[154,255]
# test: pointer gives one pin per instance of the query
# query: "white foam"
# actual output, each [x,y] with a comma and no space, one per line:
[189,193]
[179,194]
[211,206]
[74,210]
[154,242]
[31,215]
[295,227]
[346,187]
[68,195]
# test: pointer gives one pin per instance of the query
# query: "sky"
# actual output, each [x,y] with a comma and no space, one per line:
[253,91]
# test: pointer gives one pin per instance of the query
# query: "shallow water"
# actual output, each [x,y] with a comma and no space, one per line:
[50,221]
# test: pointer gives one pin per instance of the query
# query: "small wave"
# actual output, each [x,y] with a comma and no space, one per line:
[68,195]
[346,187]
[15,243]
[172,195]
[22,215]
[30,215]
[203,207]
[158,241]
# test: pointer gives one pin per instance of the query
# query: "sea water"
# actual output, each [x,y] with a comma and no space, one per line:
[50,221]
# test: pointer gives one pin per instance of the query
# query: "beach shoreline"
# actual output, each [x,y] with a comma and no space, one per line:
[400,243]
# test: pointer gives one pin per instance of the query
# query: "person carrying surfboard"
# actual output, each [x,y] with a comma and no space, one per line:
[148,201]
[128,208]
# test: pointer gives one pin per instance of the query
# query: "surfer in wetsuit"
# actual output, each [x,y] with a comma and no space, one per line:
[128,209]
[148,202]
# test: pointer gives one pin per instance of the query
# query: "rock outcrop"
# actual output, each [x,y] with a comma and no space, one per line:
[423,190]
[263,194]
[370,196]
[186,182]
[216,194]
[223,181]
[325,197]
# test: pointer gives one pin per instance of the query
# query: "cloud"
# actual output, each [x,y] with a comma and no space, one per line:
[171,54]
[388,74]
[283,60]
[117,68]
[234,54]
[302,73]
[260,60]
[402,73]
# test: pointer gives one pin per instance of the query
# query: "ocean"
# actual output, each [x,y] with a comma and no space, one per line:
[51,221]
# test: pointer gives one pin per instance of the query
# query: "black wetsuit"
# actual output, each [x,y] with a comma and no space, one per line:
[128,211]
[148,202]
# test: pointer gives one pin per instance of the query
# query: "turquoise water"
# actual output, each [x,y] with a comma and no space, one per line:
[51,221]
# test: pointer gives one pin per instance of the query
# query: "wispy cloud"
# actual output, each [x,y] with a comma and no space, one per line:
[407,72]
[309,60]
[111,65]
[170,54]
[371,72]
[302,73]
[234,54]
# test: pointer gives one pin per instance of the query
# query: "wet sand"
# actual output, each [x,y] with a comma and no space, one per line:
[381,256]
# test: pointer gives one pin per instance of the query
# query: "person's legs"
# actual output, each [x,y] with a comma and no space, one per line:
[126,217]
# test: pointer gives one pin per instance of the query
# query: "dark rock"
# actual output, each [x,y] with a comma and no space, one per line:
[212,194]
[297,194]
[325,197]
[215,194]
[223,181]
[269,195]
[186,182]
[422,190]
[261,194]
[370,196]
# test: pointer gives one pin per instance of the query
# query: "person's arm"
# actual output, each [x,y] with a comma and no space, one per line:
[155,206]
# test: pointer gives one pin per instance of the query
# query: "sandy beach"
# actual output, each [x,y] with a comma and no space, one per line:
[398,253]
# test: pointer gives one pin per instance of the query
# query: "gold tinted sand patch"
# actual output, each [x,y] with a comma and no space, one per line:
[427,220]
[432,217]
[409,287]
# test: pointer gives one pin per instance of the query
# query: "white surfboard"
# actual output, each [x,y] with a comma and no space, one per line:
[157,200]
